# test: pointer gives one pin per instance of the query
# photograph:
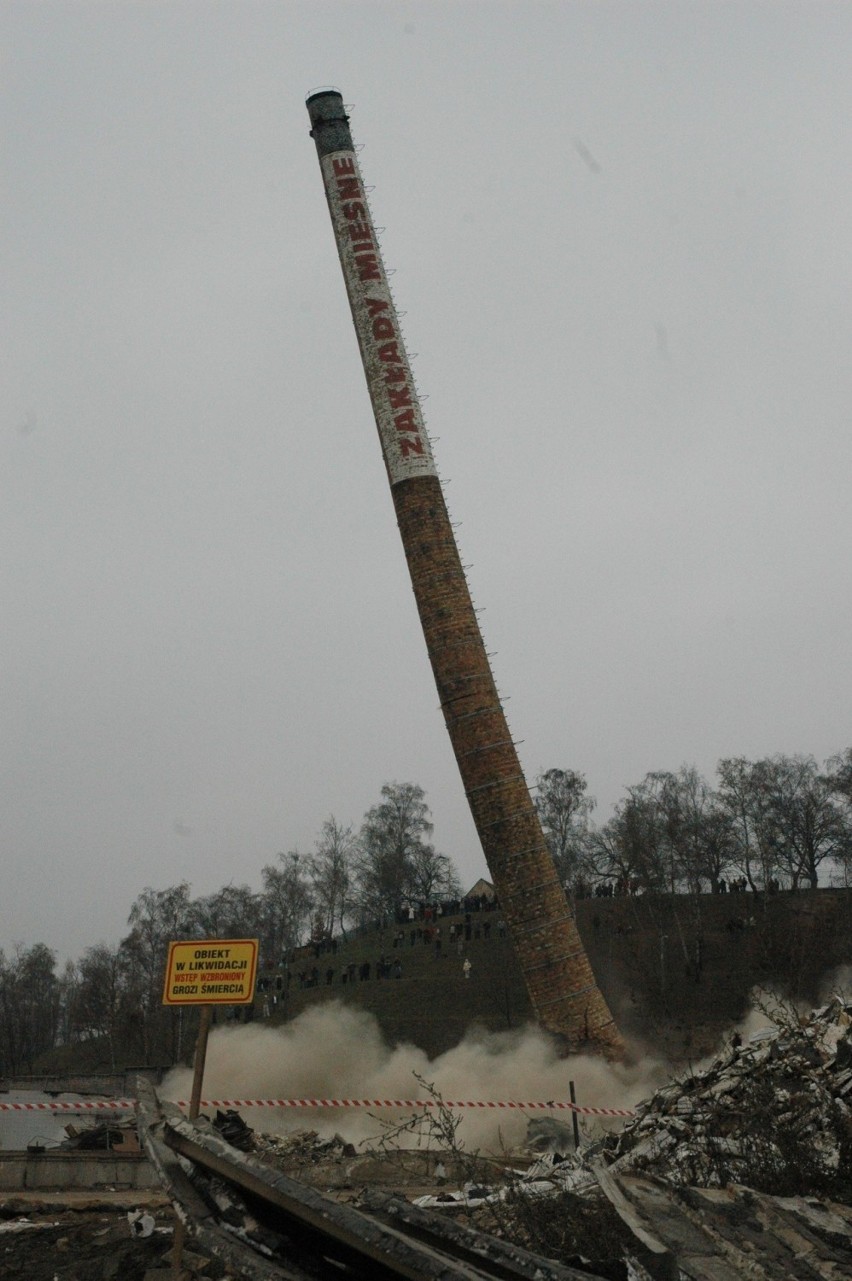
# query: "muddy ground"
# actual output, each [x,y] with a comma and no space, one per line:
[80,1237]
[87,1237]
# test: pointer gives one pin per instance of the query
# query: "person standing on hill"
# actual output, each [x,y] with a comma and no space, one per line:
[467,967]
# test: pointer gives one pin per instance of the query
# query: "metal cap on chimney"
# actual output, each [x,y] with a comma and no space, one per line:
[329,121]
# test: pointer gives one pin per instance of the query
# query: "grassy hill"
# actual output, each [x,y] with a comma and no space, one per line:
[676,970]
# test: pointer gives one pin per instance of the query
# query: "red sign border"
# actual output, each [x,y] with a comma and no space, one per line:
[216,1000]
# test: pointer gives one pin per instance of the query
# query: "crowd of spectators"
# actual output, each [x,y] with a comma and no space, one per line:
[414,925]
[625,885]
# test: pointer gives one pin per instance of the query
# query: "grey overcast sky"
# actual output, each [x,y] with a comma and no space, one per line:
[622,234]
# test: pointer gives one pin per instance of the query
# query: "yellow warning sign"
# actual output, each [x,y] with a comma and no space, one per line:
[211,972]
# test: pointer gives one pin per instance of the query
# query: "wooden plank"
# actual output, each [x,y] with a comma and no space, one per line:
[510,1261]
[340,1232]
[193,1211]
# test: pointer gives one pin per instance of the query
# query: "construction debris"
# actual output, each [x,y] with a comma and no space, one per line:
[107,1136]
[741,1168]
[140,1223]
[234,1130]
[306,1145]
[265,1225]
[87,1244]
[774,1113]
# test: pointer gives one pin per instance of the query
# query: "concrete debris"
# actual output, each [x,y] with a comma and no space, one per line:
[304,1144]
[547,1134]
[140,1223]
[234,1130]
[81,1244]
[774,1113]
[742,1168]
[549,1174]
[724,1234]
[22,1225]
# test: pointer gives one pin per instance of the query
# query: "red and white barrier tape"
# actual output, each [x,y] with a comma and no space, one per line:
[82,1105]
[407,1103]
[115,1105]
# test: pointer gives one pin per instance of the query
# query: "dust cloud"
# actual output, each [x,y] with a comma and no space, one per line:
[836,983]
[769,1007]
[764,1010]
[336,1051]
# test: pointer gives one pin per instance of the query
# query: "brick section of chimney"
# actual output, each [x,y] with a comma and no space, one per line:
[550,952]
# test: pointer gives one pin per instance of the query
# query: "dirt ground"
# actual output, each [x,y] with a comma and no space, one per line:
[86,1236]
[83,1237]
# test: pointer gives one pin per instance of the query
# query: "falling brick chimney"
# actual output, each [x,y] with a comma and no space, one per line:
[559,978]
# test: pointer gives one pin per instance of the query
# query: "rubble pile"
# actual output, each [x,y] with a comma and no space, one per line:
[304,1146]
[89,1238]
[774,1113]
[741,1169]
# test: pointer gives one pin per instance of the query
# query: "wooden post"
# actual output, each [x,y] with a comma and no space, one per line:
[200,1056]
[574,1116]
[194,1104]
[177,1247]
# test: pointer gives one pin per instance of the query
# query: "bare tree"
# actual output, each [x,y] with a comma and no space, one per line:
[331,869]
[286,902]
[838,776]
[157,917]
[744,797]
[68,985]
[432,876]
[838,771]
[564,809]
[809,823]
[234,912]
[697,830]
[786,819]
[29,1006]
[100,1008]
[633,848]
[630,849]
[396,863]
